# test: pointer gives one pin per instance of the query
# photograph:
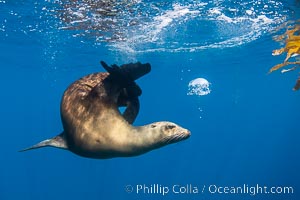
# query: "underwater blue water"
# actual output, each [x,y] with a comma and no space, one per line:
[244,132]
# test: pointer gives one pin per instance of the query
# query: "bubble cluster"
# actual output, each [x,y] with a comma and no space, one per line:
[199,87]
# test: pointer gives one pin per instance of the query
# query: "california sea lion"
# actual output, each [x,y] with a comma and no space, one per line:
[95,128]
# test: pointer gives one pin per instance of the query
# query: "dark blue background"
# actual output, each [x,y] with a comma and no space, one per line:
[246,133]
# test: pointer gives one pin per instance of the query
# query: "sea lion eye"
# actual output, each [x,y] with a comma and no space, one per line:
[170,126]
[153,126]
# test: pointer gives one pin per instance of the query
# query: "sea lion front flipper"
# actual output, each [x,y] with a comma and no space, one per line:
[58,142]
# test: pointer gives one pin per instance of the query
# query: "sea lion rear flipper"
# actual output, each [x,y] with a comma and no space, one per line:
[108,68]
[129,97]
[58,142]
[130,72]
[120,87]
[132,108]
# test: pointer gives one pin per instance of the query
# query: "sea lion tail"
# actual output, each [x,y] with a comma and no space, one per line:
[58,142]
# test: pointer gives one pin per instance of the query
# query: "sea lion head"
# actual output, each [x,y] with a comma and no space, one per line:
[159,134]
[169,132]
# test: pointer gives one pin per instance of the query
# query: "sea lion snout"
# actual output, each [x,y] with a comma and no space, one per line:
[172,132]
[182,133]
[186,134]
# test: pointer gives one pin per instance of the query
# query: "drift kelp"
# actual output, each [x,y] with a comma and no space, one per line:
[291,40]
